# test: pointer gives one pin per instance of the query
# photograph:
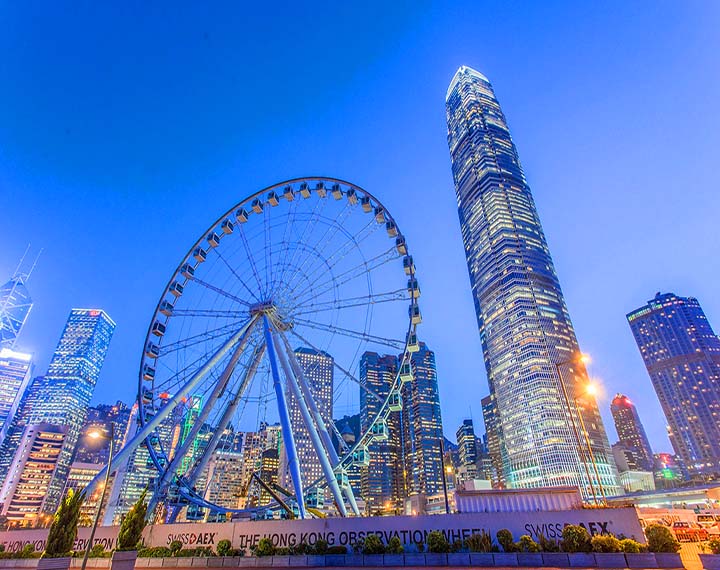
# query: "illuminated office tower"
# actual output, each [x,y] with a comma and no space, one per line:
[422,427]
[15,371]
[631,433]
[269,469]
[381,482]
[317,369]
[24,495]
[98,419]
[467,451]
[79,476]
[528,341]
[15,305]
[682,356]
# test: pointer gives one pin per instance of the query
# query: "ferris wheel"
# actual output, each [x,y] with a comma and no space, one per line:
[314,264]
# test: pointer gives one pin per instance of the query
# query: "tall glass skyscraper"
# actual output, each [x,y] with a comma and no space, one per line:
[15,371]
[682,356]
[631,433]
[62,396]
[15,305]
[528,341]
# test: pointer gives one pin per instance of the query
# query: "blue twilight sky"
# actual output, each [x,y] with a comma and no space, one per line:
[126,128]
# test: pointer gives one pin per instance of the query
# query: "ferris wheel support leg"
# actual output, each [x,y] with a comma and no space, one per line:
[288,438]
[351,499]
[312,430]
[163,412]
[202,417]
[228,414]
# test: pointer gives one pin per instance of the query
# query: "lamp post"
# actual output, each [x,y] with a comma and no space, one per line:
[578,441]
[442,468]
[98,435]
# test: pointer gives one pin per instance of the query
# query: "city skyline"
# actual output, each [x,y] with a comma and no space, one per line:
[615,358]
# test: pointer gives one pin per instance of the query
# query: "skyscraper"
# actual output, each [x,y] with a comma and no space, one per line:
[62,396]
[15,371]
[317,369]
[682,356]
[631,433]
[381,482]
[422,427]
[527,338]
[467,450]
[99,418]
[15,305]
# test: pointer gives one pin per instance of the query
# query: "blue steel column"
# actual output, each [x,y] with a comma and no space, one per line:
[288,438]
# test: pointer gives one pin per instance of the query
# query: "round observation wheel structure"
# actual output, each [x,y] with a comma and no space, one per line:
[256,343]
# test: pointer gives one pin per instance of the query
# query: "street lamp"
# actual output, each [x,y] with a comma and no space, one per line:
[96,434]
[584,359]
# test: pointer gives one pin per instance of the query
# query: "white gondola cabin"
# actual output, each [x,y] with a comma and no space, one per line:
[395,402]
[351,195]
[158,328]
[391,229]
[199,254]
[379,430]
[408,265]
[176,289]
[257,206]
[289,193]
[227,227]
[166,308]
[366,204]
[361,456]
[320,189]
[415,314]
[147,396]
[337,191]
[152,350]
[304,190]
[273,199]
[148,373]
[406,374]
[342,479]
[412,342]
[380,215]
[400,245]
[242,216]
[413,288]
[187,271]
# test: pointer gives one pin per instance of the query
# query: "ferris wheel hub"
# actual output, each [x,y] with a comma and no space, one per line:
[264,308]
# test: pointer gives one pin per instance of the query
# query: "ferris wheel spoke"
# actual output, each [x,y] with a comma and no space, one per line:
[268,250]
[220,291]
[285,243]
[362,301]
[237,276]
[346,372]
[200,337]
[360,335]
[210,313]
[251,258]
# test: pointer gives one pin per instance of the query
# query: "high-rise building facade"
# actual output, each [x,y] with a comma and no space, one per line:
[381,482]
[15,305]
[99,419]
[467,451]
[422,427]
[62,396]
[631,433]
[527,338]
[15,371]
[682,356]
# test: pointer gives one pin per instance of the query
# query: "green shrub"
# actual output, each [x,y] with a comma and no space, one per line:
[175,547]
[713,545]
[373,545]
[661,539]
[132,526]
[282,551]
[264,547]
[224,547]
[575,539]
[395,546]
[548,544]
[527,544]
[337,549]
[605,543]
[98,551]
[63,530]
[631,546]
[437,543]
[155,552]
[479,542]
[320,546]
[420,546]
[505,539]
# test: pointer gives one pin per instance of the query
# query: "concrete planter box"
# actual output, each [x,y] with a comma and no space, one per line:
[123,560]
[393,560]
[668,560]
[201,561]
[298,560]
[54,563]
[641,560]
[505,559]
[529,559]
[610,560]
[170,562]
[232,561]
[581,560]
[710,561]
[368,560]
[19,563]
[414,560]
[435,559]
[279,561]
[248,562]
[316,560]
[458,559]
[479,559]
[557,559]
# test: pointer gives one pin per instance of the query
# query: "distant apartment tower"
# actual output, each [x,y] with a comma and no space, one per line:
[467,451]
[524,325]
[422,427]
[15,370]
[631,433]
[381,482]
[318,370]
[24,495]
[494,441]
[682,356]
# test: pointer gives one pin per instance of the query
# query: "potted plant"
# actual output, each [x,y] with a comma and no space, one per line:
[438,548]
[509,555]
[608,551]
[63,532]
[129,537]
[711,560]
[662,542]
